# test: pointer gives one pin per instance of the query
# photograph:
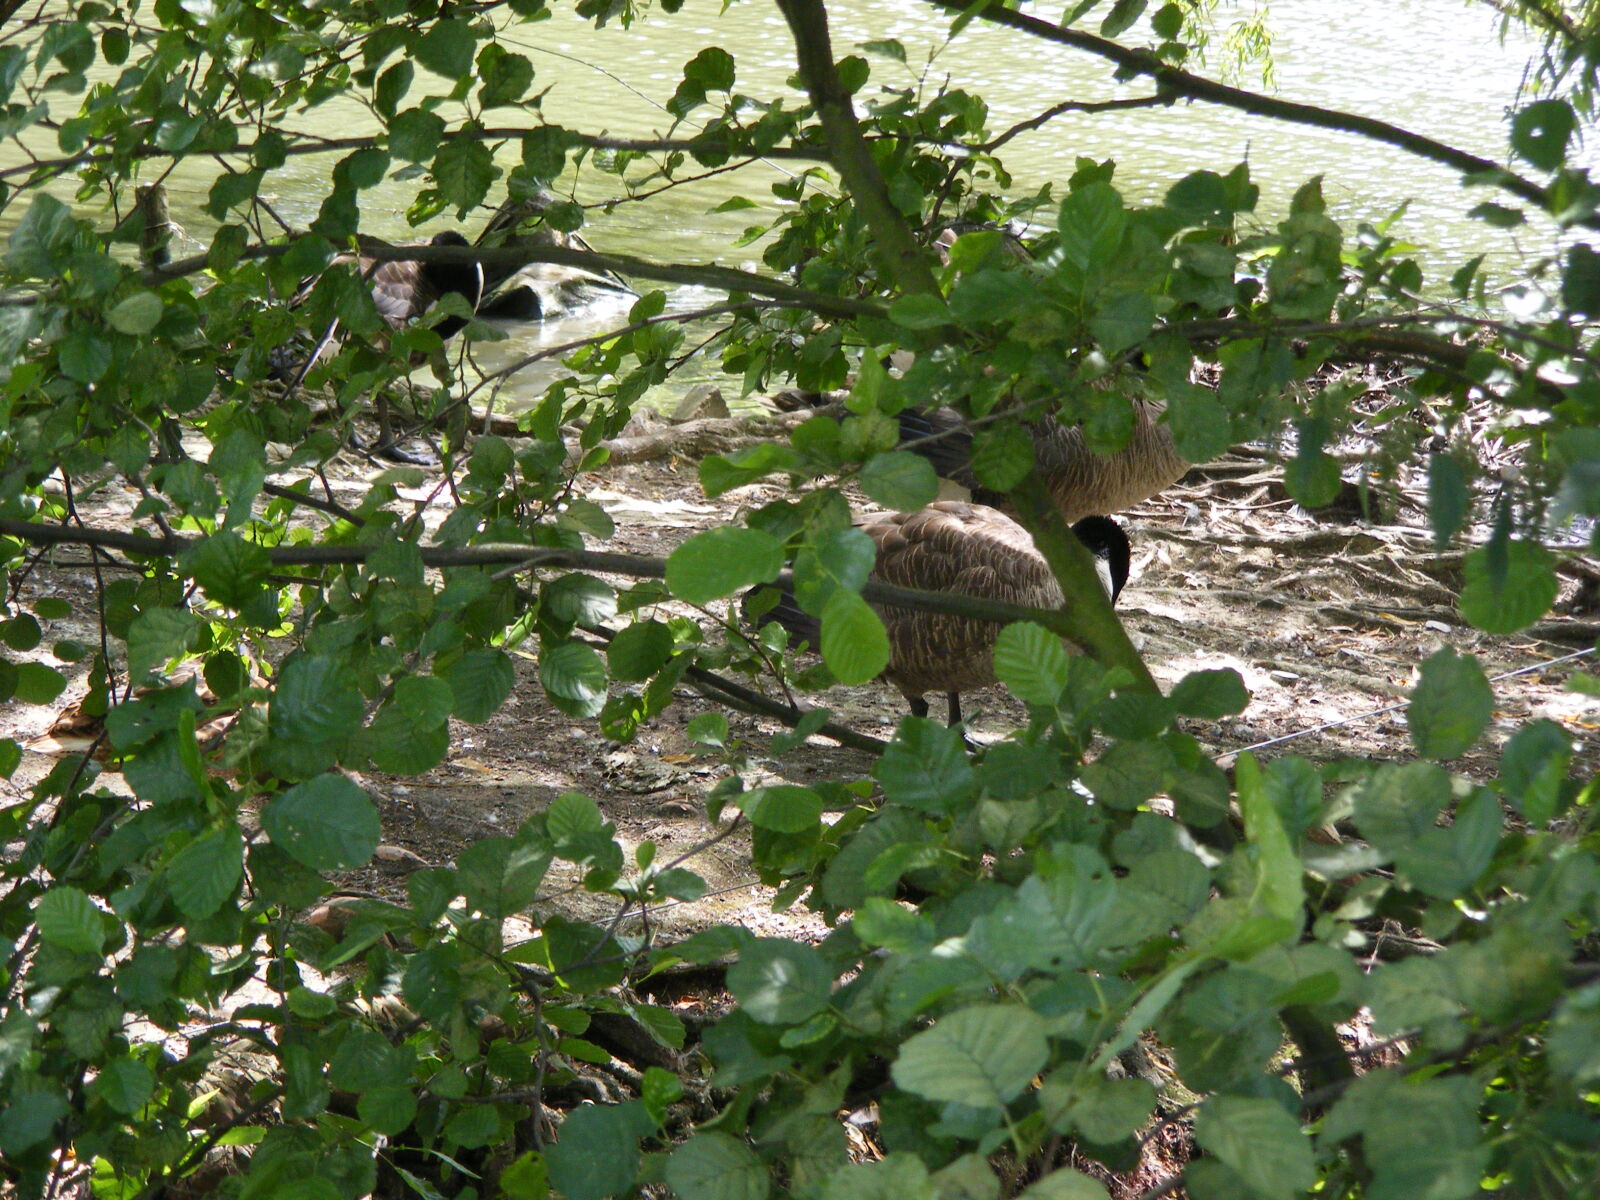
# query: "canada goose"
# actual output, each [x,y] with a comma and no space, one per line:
[1081,481]
[968,549]
[405,289]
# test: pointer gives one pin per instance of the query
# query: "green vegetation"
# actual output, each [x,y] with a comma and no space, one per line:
[1000,943]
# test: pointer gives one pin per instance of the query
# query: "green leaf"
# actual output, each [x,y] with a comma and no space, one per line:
[574,677]
[480,681]
[1210,695]
[1100,1109]
[783,808]
[67,919]
[231,570]
[718,562]
[415,135]
[572,814]
[1580,281]
[159,634]
[926,768]
[364,1058]
[1451,706]
[900,480]
[1200,426]
[899,1176]
[719,473]
[981,1056]
[316,700]
[403,746]
[136,315]
[1123,321]
[1123,14]
[1279,889]
[1541,131]
[598,1154]
[205,873]
[639,651]
[464,169]
[779,982]
[447,49]
[1065,1184]
[42,238]
[1507,591]
[1092,222]
[1032,662]
[499,876]
[324,823]
[855,644]
[1421,1137]
[388,1109]
[1002,456]
[125,1085]
[1449,500]
[714,1166]
[84,356]
[1261,1142]
[29,1118]
[37,683]
[920,311]
[580,599]
[1533,767]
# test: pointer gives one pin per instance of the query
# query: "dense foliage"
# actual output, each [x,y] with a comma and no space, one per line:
[1010,927]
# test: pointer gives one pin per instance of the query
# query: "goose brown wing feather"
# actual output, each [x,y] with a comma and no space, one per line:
[963,549]
[400,290]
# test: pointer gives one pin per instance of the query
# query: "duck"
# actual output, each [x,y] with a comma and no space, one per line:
[966,549]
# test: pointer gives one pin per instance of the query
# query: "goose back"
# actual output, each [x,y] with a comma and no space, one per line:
[1081,482]
[964,549]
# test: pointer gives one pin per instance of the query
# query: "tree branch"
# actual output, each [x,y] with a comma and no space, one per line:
[520,253]
[502,555]
[1196,87]
[903,260]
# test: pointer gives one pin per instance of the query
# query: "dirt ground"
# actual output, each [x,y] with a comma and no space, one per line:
[1325,617]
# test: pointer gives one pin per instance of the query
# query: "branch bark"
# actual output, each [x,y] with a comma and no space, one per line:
[520,253]
[1196,87]
[632,566]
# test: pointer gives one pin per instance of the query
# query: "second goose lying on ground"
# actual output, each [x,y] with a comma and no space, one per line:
[1081,482]
[966,549]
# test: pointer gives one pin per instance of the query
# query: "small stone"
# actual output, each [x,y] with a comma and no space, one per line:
[702,400]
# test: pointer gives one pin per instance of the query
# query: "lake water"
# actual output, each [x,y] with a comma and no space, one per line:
[1433,66]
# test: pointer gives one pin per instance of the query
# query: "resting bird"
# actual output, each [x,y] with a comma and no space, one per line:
[1081,482]
[405,289]
[967,549]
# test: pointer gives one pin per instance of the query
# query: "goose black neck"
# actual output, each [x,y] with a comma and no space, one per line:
[1108,543]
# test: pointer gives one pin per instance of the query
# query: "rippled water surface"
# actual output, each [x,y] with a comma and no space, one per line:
[1433,66]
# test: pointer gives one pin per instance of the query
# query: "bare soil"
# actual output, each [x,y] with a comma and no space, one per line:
[1326,617]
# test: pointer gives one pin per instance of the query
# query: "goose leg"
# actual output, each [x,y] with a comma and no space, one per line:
[955,708]
[919,706]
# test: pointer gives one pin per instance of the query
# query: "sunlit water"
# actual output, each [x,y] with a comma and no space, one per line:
[1433,66]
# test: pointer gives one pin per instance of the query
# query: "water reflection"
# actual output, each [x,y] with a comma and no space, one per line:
[1434,66]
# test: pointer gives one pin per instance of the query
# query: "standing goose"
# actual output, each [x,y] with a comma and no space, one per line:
[966,549]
